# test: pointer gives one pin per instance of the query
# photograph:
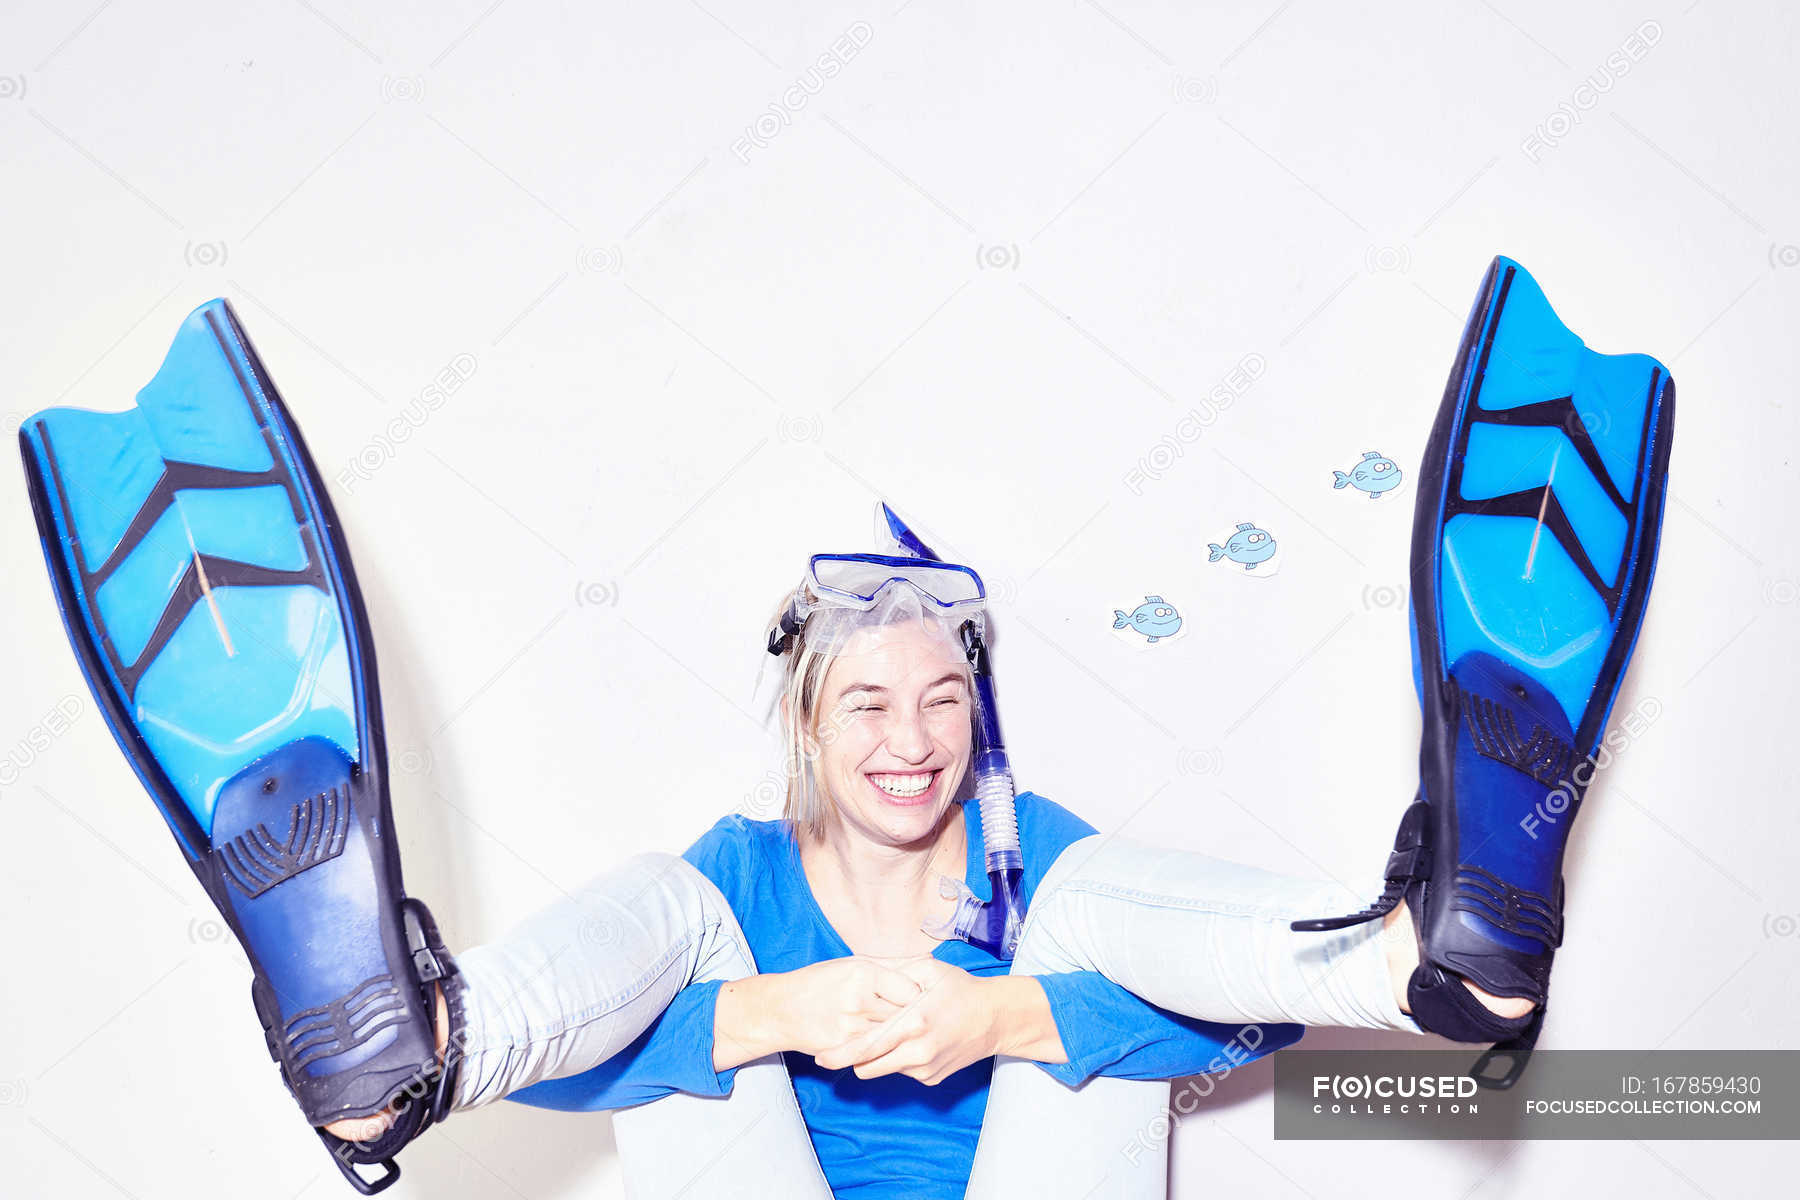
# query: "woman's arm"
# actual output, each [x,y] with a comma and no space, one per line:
[821,1010]
[1111,1031]
[1027,1024]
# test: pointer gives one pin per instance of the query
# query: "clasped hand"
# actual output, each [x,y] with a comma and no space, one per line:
[919,1017]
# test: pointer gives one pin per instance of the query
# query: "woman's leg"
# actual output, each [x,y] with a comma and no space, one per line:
[1104,1140]
[1039,1137]
[579,981]
[751,1143]
[1192,934]
[1210,939]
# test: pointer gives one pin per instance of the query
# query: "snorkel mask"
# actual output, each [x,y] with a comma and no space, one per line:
[850,590]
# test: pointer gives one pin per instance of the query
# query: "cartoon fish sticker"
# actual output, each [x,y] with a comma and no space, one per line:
[1155,618]
[1248,546]
[1375,474]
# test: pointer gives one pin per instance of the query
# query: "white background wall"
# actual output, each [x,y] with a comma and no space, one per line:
[981,273]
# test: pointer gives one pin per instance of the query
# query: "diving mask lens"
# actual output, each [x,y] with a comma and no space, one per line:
[859,579]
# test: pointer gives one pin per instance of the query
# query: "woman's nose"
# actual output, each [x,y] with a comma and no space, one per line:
[906,736]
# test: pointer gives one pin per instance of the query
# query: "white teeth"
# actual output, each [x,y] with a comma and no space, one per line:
[904,786]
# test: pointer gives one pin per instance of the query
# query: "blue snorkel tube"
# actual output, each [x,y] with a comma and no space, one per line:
[993,925]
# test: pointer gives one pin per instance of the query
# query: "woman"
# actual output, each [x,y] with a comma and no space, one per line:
[1534,545]
[809,935]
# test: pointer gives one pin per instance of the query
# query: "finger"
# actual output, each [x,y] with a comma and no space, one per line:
[925,971]
[901,1060]
[883,1039]
[895,986]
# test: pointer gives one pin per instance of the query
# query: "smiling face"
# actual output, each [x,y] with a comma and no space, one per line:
[894,731]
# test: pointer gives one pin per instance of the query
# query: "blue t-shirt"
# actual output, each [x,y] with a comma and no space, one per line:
[894,1138]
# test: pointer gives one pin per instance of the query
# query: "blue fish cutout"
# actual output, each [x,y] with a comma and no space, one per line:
[1249,546]
[1375,474]
[1155,618]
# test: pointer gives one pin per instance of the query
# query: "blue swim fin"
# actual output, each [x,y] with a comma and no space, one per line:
[210,600]
[1534,543]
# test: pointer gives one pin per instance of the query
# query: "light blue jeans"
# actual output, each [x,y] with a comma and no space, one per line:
[580,981]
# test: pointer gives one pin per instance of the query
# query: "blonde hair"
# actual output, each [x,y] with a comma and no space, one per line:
[805,664]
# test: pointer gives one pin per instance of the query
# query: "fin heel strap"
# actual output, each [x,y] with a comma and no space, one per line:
[416,1108]
[1409,863]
